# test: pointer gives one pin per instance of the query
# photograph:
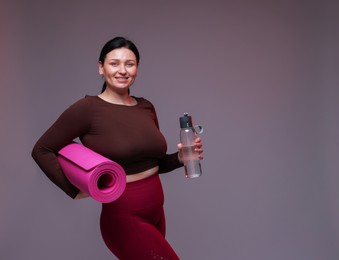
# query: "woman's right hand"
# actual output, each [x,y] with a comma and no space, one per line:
[81,195]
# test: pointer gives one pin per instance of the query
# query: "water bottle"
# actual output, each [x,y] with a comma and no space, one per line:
[190,158]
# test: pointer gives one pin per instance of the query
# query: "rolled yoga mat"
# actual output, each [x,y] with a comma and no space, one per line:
[101,178]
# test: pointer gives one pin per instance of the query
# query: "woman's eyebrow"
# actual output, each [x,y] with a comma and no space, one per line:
[121,59]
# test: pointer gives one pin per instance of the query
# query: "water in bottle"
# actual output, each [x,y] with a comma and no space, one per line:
[190,157]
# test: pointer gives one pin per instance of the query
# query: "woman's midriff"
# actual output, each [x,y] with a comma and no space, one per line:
[142,175]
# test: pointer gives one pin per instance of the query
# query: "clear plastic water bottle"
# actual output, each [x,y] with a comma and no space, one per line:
[190,158]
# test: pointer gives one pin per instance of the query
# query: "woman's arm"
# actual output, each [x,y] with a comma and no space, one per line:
[72,123]
[173,161]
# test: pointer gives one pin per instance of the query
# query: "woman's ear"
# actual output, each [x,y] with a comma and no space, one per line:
[101,68]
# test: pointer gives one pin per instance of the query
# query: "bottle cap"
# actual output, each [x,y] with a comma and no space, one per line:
[185,121]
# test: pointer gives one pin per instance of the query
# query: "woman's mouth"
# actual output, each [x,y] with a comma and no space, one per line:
[121,79]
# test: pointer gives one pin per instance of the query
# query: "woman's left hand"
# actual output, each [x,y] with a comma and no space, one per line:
[197,148]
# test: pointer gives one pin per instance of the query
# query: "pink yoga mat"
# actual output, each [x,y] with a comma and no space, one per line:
[101,178]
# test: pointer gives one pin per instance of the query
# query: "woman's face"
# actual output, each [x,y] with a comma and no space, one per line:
[119,69]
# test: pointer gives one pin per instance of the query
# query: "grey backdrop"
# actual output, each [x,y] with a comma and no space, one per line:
[261,76]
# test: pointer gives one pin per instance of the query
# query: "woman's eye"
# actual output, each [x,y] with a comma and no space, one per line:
[130,64]
[114,64]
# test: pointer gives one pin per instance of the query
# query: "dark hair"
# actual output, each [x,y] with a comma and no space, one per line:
[116,43]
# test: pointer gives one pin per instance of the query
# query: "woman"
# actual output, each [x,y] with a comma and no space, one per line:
[124,129]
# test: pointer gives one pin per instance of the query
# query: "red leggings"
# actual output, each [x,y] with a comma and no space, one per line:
[133,226]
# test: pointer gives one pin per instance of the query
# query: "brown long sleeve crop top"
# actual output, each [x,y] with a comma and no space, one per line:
[128,135]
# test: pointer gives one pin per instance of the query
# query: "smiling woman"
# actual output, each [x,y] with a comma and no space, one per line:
[119,70]
[133,226]
[120,50]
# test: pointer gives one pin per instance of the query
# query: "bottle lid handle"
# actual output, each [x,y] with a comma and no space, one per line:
[198,129]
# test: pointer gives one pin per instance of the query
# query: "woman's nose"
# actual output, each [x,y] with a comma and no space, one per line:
[122,69]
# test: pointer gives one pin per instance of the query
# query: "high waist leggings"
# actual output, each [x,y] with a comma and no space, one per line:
[133,226]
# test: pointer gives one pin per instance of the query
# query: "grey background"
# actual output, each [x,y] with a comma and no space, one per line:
[261,76]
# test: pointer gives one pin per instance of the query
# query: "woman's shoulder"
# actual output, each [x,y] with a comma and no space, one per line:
[87,100]
[141,101]
[81,105]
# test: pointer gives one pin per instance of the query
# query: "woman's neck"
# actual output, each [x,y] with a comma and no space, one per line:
[116,98]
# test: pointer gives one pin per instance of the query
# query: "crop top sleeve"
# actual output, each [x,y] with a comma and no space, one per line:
[128,135]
